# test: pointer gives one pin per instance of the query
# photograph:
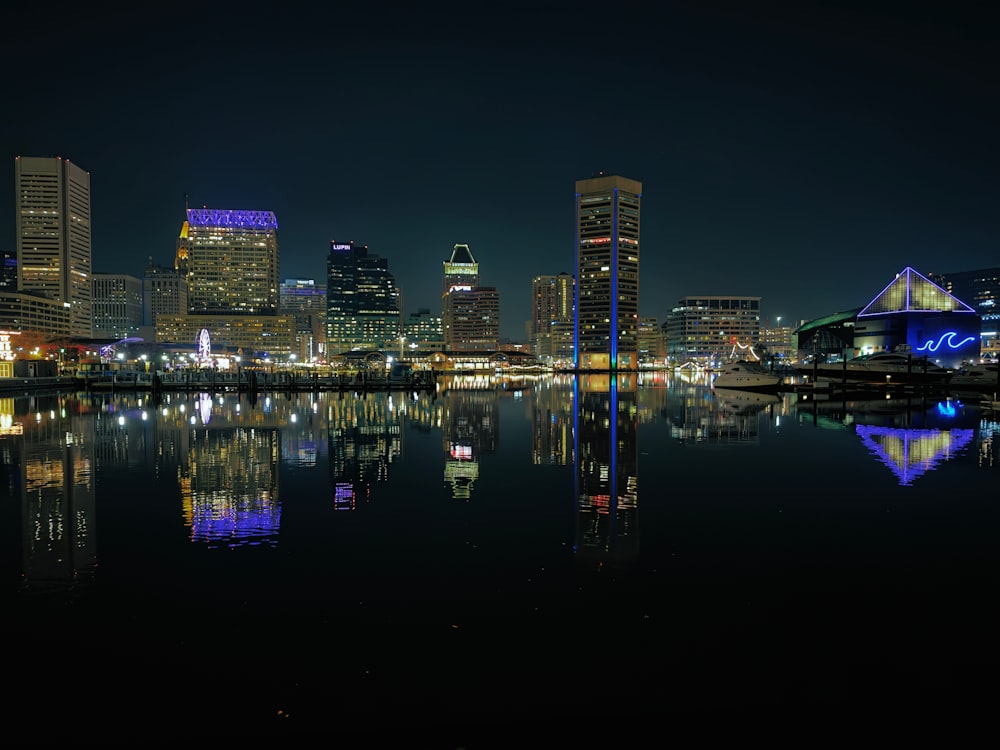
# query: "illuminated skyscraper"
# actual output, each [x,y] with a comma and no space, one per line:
[607,272]
[232,260]
[551,332]
[362,300]
[117,305]
[470,313]
[461,271]
[53,236]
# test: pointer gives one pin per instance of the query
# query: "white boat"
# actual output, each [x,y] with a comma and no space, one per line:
[976,377]
[880,367]
[747,375]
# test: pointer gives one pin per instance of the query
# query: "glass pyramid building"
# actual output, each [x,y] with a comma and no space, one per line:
[912,292]
[914,314]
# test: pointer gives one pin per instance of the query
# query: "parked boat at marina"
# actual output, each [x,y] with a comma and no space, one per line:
[976,377]
[881,367]
[747,375]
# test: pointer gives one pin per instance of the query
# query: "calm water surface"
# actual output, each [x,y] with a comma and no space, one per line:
[570,554]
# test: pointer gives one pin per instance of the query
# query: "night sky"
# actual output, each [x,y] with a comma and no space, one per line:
[802,152]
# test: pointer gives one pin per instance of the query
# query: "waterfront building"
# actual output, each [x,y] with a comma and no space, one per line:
[52,217]
[232,262]
[164,292]
[470,313]
[423,333]
[471,319]
[911,314]
[305,300]
[979,289]
[652,345]
[607,272]
[362,300]
[252,337]
[550,330]
[116,301]
[710,329]
[26,312]
[778,341]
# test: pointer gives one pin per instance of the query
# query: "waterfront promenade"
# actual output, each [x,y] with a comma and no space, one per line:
[245,381]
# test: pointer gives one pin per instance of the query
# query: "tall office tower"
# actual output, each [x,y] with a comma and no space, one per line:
[552,317]
[164,292]
[362,300]
[305,301]
[471,320]
[53,235]
[233,259]
[117,306]
[607,272]
[711,329]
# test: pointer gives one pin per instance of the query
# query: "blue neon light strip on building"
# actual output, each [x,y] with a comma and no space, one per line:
[933,346]
[614,281]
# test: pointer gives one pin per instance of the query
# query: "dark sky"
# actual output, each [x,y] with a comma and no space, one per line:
[802,152]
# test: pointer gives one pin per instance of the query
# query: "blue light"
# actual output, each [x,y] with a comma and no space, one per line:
[946,408]
[933,346]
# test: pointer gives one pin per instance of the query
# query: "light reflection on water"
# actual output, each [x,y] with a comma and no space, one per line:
[596,501]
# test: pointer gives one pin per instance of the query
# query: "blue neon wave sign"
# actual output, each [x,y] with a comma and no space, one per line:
[947,339]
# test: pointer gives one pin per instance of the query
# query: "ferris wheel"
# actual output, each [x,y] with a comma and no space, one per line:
[204,346]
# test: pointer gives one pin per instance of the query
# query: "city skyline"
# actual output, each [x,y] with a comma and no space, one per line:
[801,154]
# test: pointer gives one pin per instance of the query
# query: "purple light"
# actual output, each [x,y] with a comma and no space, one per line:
[904,451]
[218,217]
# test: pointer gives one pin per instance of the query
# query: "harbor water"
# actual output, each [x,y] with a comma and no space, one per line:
[562,553]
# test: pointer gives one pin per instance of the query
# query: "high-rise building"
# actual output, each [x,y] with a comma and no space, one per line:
[232,260]
[471,320]
[652,344]
[550,332]
[470,313]
[116,302]
[362,300]
[53,236]
[305,300]
[164,292]
[607,272]
[711,329]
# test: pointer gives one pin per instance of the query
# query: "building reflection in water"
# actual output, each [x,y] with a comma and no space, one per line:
[364,439]
[47,454]
[229,487]
[911,453]
[606,449]
[469,430]
[552,422]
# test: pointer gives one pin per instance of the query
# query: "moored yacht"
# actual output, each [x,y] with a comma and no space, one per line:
[747,375]
[881,367]
[982,376]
